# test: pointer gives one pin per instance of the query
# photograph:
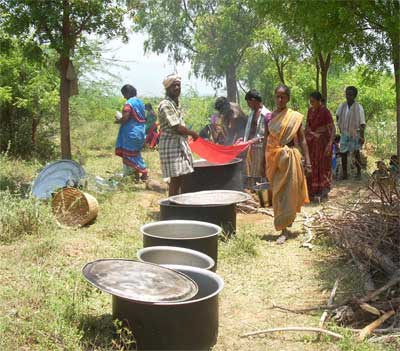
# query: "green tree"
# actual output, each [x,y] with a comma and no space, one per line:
[212,35]
[28,94]
[278,47]
[322,28]
[64,25]
[381,21]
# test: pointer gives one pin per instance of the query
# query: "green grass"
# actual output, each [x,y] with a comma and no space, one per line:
[46,304]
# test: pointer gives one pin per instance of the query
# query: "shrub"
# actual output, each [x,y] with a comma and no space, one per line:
[20,217]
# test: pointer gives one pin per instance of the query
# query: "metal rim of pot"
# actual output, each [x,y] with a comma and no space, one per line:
[180,269]
[244,195]
[203,256]
[217,228]
[164,201]
[204,163]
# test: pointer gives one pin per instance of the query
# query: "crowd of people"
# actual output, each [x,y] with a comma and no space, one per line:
[297,162]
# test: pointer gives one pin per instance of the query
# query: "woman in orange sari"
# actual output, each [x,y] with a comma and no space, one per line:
[284,162]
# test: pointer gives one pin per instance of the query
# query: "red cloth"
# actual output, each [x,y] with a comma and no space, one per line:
[216,153]
[320,161]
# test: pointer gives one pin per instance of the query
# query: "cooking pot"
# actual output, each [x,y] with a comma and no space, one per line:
[195,235]
[185,325]
[211,176]
[167,255]
[223,215]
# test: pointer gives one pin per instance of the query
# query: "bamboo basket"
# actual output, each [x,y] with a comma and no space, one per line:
[74,208]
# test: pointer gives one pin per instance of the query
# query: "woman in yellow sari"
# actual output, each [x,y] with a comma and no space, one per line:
[284,168]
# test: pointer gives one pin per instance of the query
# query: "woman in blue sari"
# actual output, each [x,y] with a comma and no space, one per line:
[131,133]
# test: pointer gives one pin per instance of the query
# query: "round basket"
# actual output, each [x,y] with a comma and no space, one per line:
[74,208]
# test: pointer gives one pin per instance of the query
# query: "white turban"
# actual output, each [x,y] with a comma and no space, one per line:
[170,79]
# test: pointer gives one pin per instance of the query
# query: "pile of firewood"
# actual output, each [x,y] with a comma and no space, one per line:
[368,229]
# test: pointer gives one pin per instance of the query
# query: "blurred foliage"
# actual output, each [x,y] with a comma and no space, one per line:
[28,99]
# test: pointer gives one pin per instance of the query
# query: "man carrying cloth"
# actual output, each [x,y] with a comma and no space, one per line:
[351,120]
[175,155]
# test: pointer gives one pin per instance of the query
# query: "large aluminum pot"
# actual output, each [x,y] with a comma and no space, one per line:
[222,215]
[211,176]
[195,235]
[187,325]
[167,255]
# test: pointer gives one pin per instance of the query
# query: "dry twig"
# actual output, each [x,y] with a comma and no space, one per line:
[296,329]
[330,303]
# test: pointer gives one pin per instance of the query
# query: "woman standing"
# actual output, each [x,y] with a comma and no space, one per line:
[319,136]
[131,134]
[283,162]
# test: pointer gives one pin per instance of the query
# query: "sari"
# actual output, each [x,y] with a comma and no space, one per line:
[284,168]
[131,136]
[318,121]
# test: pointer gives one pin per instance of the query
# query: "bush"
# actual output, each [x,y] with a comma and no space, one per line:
[15,175]
[20,217]
[28,100]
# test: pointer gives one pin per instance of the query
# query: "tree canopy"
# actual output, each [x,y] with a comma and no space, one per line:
[203,32]
[63,25]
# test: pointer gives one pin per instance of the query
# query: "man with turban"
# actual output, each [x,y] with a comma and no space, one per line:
[175,155]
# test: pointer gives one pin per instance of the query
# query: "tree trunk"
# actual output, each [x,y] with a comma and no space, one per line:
[35,123]
[280,68]
[231,88]
[64,110]
[396,66]
[324,65]
[65,83]
[317,75]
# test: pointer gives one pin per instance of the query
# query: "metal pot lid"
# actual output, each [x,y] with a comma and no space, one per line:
[210,197]
[55,176]
[139,281]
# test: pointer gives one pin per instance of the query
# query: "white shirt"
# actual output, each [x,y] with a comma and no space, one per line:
[362,113]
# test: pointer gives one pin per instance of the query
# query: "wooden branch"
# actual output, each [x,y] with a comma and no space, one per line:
[374,325]
[185,8]
[370,309]
[371,296]
[244,208]
[295,329]
[330,303]
[309,309]
[384,338]
[82,26]
[307,243]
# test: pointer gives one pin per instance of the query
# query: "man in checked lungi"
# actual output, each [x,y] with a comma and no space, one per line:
[175,154]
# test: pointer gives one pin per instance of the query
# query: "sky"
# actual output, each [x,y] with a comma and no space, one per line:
[147,71]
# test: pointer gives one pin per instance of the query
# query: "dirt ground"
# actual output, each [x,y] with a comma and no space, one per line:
[285,275]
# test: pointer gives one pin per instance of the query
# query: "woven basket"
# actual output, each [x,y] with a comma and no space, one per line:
[74,208]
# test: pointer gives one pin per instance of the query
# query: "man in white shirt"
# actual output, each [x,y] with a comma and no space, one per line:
[351,121]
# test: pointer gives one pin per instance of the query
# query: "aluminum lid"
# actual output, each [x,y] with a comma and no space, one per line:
[139,281]
[55,176]
[210,197]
